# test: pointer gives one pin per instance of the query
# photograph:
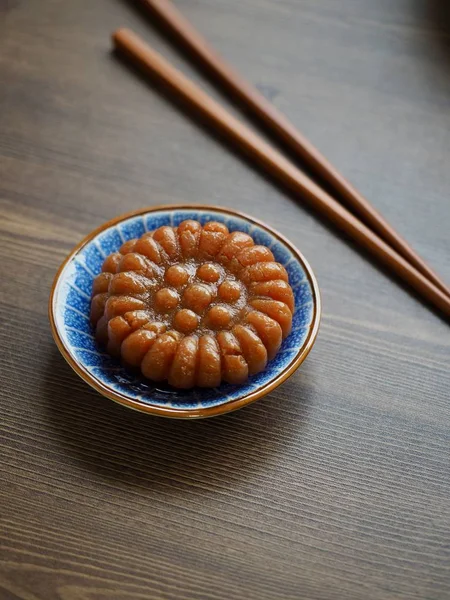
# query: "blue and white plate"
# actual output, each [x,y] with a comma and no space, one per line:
[69,308]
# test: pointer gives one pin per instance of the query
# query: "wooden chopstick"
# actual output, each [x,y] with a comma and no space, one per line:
[276,164]
[280,127]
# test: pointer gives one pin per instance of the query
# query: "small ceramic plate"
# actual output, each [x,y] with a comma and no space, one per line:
[70,304]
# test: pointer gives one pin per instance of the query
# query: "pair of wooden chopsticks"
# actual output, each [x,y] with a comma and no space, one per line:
[374,234]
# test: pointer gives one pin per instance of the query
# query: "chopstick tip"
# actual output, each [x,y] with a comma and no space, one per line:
[119,34]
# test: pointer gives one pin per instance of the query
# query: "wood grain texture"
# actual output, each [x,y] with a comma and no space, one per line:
[337,485]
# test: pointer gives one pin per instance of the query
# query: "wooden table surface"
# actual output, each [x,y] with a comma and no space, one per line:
[337,485]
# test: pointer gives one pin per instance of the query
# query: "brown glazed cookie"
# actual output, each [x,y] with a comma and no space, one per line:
[193,305]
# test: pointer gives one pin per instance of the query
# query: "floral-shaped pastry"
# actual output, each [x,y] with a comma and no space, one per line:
[193,305]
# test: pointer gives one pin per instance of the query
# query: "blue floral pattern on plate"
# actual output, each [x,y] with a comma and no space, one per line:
[71,302]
